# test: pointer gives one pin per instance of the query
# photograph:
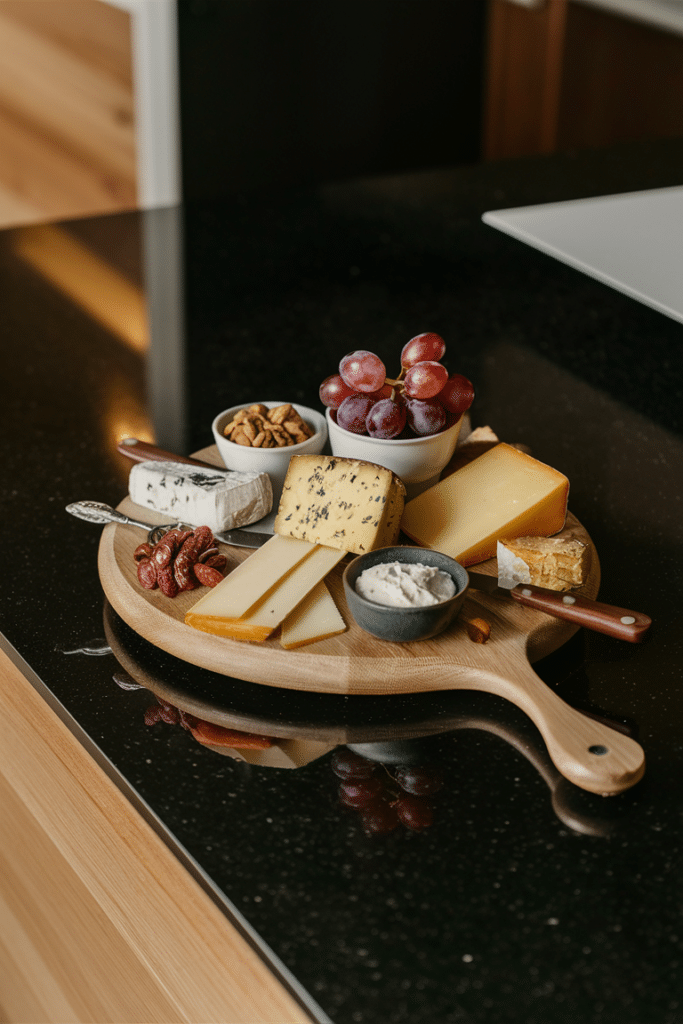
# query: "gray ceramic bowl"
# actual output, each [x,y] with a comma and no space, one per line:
[403,625]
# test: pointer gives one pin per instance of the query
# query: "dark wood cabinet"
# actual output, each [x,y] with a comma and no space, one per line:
[562,74]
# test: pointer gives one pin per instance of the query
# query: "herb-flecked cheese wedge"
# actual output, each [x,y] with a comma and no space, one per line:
[342,503]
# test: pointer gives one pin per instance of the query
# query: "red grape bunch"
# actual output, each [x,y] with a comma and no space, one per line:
[385,799]
[422,400]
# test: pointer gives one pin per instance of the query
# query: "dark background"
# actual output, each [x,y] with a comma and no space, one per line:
[286,93]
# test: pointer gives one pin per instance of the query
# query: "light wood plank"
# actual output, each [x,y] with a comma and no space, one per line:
[65,98]
[67,131]
[99,921]
[96,32]
[38,173]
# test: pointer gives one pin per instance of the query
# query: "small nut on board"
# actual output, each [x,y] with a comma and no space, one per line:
[260,427]
[478,630]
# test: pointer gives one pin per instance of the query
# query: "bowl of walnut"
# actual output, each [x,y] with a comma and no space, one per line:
[263,436]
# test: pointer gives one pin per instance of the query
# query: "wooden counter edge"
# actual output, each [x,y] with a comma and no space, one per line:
[98,919]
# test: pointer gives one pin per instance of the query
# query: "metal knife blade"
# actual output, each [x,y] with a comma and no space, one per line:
[487,584]
[243,538]
[622,623]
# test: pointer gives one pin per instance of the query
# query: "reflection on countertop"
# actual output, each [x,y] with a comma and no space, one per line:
[248,728]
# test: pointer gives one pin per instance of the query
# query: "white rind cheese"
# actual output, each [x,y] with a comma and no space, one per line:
[220,499]
[342,503]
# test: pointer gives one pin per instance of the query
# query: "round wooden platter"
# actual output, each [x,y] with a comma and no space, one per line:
[588,753]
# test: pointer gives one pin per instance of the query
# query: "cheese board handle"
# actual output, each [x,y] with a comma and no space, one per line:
[622,623]
[584,750]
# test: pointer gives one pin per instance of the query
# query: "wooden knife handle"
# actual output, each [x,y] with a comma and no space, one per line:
[141,451]
[621,623]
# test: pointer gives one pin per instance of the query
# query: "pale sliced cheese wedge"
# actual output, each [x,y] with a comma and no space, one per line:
[316,618]
[250,581]
[270,612]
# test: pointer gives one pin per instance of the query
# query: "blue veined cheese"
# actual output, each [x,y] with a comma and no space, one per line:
[342,503]
[220,499]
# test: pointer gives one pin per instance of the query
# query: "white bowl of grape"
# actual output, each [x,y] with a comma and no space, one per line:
[408,424]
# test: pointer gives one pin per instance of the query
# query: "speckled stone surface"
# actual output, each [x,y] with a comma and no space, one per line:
[527,901]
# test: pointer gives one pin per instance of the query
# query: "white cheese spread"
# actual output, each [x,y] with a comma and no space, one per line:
[405,584]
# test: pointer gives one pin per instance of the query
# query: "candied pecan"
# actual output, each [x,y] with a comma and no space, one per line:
[207,553]
[207,575]
[165,550]
[167,581]
[203,539]
[147,574]
[251,427]
[217,562]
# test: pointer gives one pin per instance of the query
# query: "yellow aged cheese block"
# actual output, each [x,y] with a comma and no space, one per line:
[316,618]
[342,503]
[264,617]
[502,494]
[252,579]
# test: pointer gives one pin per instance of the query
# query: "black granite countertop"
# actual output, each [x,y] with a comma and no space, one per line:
[527,900]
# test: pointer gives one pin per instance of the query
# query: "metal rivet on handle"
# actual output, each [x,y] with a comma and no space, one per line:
[628,620]
[568,599]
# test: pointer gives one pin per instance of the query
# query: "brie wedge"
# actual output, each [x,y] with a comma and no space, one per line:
[220,499]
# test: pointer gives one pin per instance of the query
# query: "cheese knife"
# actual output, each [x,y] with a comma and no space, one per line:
[621,623]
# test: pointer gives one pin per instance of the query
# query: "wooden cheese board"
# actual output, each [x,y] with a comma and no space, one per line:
[588,753]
